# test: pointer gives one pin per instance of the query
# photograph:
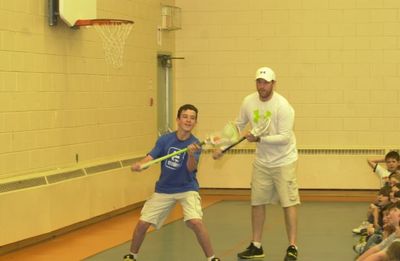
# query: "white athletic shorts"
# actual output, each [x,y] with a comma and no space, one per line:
[157,208]
[274,185]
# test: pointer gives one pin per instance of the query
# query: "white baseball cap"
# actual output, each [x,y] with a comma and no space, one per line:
[266,74]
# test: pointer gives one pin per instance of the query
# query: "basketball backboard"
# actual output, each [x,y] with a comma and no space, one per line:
[72,10]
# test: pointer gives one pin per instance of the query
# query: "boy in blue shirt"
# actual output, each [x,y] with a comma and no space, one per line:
[177,183]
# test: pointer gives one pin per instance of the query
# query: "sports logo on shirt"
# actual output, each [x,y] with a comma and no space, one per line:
[257,116]
[174,162]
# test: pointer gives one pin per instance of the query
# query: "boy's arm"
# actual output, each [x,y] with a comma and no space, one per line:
[379,256]
[136,166]
[373,250]
[373,162]
[192,160]
[375,214]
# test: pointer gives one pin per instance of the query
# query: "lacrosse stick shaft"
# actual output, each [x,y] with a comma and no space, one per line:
[152,162]
[233,144]
[256,132]
[230,132]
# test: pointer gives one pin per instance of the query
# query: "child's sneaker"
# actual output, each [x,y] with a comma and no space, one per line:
[361,228]
[129,257]
[359,248]
[251,252]
[291,253]
[215,259]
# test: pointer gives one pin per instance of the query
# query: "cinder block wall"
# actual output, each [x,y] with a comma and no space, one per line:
[62,108]
[337,62]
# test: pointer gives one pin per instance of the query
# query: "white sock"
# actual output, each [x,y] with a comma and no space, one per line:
[257,244]
[134,255]
[210,258]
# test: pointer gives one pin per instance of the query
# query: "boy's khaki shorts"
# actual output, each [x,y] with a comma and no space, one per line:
[274,185]
[157,208]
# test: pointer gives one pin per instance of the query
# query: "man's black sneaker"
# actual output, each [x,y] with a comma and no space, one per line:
[291,253]
[129,257]
[215,259]
[251,252]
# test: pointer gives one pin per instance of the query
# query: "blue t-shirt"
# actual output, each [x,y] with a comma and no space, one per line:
[175,177]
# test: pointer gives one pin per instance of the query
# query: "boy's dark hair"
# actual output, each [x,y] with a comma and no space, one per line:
[393,205]
[395,174]
[396,194]
[185,108]
[385,191]
[392,155]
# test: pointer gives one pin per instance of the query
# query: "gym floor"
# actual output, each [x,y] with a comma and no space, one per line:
[325,225]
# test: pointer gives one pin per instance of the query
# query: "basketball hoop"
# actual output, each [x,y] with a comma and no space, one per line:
[113,33]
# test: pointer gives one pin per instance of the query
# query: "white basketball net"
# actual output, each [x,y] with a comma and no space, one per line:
[113,36]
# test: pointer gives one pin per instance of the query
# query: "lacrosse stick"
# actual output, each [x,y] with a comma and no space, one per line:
[257,131]
[229,134]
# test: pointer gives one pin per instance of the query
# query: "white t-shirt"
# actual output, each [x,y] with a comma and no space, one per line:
[382,173]
[278,146]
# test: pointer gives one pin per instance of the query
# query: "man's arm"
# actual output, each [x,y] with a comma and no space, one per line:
[284,129]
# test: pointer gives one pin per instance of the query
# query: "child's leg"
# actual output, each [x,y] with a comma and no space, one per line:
[202,235]
[154,212]
[191,205]
[138,236]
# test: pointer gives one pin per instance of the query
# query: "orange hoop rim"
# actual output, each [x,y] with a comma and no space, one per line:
[90,22]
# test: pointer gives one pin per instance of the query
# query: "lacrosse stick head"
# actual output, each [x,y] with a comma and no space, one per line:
[261,128]
[228,135]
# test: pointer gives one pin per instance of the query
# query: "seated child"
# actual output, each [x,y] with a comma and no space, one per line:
[374,215]
[374,237]
[378,252]
[392,160]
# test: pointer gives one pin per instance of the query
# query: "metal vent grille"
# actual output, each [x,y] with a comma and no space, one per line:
[234,151]
[65,175]
[128,162]
[59,177]
[21,184]
[341,151]
[103,167]
[316,151]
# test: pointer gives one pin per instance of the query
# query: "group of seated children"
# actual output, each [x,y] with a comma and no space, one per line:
[382,227]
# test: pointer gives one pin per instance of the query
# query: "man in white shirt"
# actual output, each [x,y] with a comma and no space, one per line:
[274,176]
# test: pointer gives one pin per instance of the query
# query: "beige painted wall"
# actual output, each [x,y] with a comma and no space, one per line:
[337,62]
[58,96]
[59,100]
[39,210]
[313,172]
